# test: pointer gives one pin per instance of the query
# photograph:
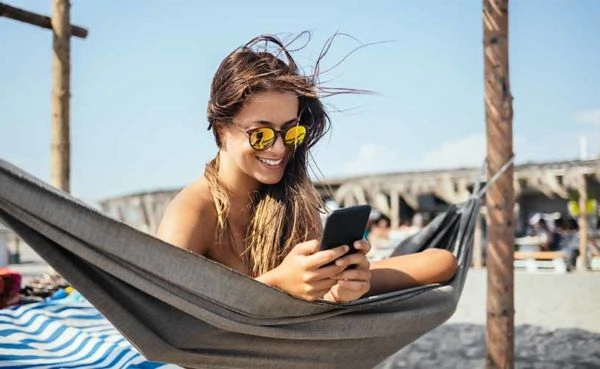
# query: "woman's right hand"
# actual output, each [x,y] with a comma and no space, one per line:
[302,273]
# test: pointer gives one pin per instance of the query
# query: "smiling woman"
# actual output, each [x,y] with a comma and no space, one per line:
[255,208]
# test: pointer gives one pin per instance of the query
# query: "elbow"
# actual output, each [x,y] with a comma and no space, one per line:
[450,266]
[446,264]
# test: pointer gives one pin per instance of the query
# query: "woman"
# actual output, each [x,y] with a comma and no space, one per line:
[255,209]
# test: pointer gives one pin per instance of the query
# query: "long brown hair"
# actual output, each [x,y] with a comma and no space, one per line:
[285,213]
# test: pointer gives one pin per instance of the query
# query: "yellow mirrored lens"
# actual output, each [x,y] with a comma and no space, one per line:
[261,138]
[295,135]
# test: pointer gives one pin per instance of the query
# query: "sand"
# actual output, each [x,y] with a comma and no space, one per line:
[570,300]
[557,319]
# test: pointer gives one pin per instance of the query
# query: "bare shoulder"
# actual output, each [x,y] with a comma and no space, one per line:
[189,221]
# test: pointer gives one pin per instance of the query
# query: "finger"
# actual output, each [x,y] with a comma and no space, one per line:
[319,288]
[306,248]
[363,246]
[327,271]
[365,264]
[327,256]
[354,286]
[352,259]
[354,275]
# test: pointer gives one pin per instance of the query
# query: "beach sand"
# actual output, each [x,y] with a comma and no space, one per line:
[570,300]
[557,325]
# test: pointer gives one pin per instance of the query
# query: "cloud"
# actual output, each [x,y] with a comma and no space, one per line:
[590,116]
[465,152]
[373,158]
[469,151]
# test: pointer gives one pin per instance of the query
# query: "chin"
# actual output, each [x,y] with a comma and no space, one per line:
[269,180]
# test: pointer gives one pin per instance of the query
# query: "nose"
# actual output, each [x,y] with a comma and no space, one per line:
[278,146]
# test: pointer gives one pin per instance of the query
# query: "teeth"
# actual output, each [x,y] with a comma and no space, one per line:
[271,162]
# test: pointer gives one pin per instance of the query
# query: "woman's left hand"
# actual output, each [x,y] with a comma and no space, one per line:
[352,283]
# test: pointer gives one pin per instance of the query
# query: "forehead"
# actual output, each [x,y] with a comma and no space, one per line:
[272,108]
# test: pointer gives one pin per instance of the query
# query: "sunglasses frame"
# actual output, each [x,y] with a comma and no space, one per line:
[278,133]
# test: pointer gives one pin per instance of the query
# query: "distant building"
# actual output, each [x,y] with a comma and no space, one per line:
[539,188]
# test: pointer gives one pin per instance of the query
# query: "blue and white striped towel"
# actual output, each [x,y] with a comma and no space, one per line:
[65,334]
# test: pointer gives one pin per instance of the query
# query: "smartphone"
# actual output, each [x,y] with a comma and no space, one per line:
[344,226]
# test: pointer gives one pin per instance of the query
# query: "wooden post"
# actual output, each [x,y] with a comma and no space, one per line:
[500,196]
[394,209]
[583,222]
[60,156]
[60,147]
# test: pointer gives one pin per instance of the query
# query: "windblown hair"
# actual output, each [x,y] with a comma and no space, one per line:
[285,213]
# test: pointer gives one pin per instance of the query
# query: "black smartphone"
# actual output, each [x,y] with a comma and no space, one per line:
[344,226]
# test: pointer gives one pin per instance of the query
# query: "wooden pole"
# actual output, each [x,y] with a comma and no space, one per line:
[500,196]
[60,156]
[36,19]
[395,209]
[583,222]
[62,30]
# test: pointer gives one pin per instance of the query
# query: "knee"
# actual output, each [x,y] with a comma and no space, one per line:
[445,263]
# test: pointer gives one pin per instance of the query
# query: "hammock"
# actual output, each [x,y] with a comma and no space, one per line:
[178,307]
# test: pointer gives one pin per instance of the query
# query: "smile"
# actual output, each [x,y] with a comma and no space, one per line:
[270,162]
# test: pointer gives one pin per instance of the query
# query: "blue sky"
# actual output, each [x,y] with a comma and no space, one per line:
[140,84]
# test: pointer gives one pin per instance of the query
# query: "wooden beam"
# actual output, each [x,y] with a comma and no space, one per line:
[36,19]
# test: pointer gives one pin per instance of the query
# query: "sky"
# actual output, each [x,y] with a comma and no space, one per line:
[140,84]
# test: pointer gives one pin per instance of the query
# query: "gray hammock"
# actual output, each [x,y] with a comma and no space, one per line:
[178,307]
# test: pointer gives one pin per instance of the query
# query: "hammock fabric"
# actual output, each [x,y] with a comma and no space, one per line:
[178,307]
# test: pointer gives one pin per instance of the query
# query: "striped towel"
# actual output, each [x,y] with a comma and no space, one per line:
[64,334]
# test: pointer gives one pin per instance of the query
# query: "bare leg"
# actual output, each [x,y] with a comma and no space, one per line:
[400,272]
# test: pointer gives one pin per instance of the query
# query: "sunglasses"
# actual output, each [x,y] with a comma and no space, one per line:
[263,138]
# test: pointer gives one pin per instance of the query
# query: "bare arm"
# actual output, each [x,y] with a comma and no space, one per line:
[396,273]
